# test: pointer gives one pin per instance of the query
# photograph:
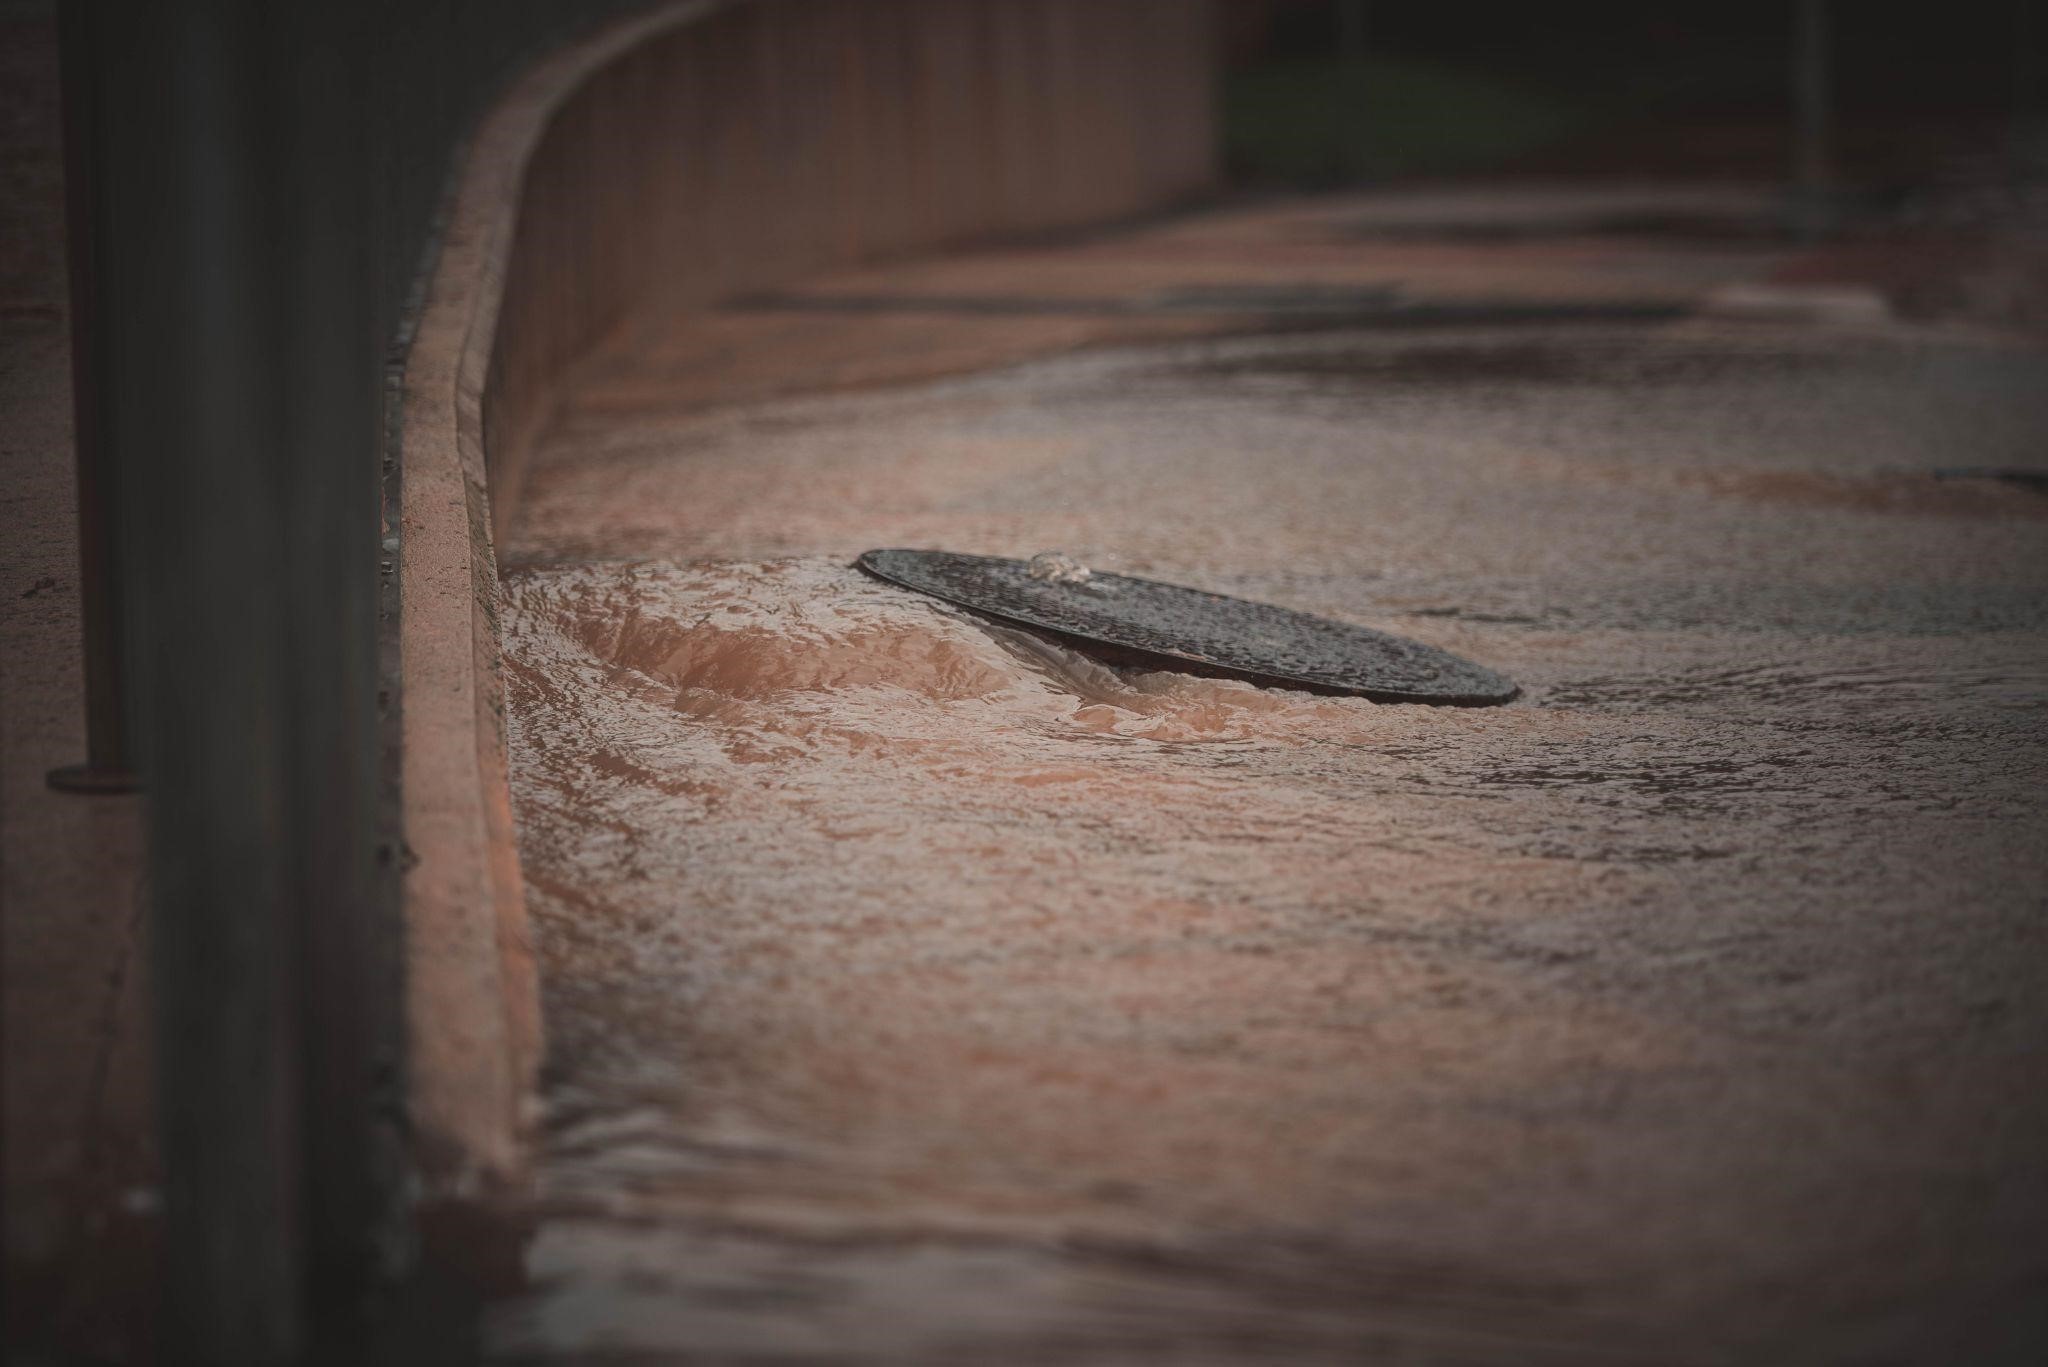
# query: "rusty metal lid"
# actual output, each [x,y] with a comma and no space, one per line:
[1191,628]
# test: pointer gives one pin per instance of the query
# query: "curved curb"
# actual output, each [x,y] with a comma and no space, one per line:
[607,237]
[472,1009]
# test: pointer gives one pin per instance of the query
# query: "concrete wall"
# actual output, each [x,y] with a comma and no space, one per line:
[763,140]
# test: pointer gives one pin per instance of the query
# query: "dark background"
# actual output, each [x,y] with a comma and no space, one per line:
[1600,86]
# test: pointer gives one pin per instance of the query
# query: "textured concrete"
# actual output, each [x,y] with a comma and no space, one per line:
[919,991]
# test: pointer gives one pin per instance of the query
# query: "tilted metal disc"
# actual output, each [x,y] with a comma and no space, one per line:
[1209,631]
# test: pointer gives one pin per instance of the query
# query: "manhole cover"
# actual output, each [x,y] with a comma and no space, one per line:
[1254,640]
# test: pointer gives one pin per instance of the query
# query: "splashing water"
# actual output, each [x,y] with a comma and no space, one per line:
[891,956]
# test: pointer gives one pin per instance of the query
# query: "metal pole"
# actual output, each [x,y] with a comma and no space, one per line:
[1352,114]
[1351,30]
[1813,106]
[183,265]
[239,391]
[2026,82]
[109,766]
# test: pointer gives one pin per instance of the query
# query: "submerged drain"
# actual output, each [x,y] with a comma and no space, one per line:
[1256,641]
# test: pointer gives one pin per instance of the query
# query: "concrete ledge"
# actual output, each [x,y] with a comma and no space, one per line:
[472,1003]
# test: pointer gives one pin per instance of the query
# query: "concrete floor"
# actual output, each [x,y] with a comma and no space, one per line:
[919,991]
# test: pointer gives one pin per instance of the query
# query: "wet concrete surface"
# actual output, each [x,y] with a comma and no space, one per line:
[923,990]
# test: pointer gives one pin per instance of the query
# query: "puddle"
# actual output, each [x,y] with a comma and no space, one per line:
[882,944]
[895,963]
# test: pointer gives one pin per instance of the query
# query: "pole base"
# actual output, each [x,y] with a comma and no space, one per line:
[84,778]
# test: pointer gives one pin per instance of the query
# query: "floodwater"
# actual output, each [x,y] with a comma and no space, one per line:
[922,990]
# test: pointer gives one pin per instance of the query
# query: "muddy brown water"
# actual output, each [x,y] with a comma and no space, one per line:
[922,990]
